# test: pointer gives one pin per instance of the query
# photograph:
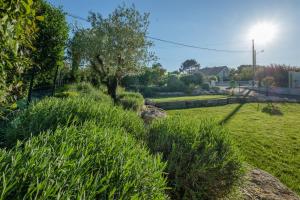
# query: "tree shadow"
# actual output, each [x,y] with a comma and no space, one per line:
[231,114]
[271,109]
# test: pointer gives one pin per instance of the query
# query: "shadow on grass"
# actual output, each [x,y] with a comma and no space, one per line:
[230,115]
[271,109]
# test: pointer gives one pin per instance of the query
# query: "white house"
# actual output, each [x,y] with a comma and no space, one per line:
[221,72]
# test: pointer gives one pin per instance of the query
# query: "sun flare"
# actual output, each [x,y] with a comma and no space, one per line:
[263,32]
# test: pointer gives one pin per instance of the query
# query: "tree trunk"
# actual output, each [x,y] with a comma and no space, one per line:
[54,81]
[112,85]
[30,86]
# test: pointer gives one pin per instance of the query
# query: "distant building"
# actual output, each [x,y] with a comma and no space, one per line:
[294,79]
[221,72]
[192,69]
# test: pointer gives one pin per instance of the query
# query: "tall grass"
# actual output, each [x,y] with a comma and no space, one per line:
[87,162]
[52,112]
[202,162]
[131,100]
[83,89]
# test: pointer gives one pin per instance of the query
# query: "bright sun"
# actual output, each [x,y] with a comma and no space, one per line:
[263,32]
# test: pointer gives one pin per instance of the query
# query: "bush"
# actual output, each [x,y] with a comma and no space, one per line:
[205,86]
[216,89]
[131,100]
[83,89]
[66,94]
[51,112]
[196,78]
[202,162]
[81,163]
[174,84]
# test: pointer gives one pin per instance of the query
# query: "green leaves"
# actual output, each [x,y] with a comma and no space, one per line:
[85,162]
[40,18]
[17,32]
[202,161]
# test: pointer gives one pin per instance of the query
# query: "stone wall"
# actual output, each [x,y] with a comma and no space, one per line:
[217,102]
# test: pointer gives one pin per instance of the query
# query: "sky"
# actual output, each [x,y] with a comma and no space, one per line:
[218,24]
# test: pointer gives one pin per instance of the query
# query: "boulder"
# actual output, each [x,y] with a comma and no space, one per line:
[262,185]
[150,113]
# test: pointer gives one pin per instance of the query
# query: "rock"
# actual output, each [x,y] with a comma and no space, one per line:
[150,113]
[262,185]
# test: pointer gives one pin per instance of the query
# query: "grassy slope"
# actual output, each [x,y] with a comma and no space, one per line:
[269,142]
[184,98]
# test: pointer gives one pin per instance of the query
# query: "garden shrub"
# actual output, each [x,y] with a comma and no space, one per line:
[216,89]
[66,94]
[131,100]
[84,89]
[205,86]
[87,162]
[202,162]
[51,112]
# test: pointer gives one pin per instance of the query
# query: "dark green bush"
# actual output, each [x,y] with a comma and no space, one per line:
[202,162]
[131,100]
[86,162]
[51,112]
[205,86]
[216,89]
[174,84]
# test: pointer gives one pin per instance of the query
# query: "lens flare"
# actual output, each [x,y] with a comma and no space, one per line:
[263,32]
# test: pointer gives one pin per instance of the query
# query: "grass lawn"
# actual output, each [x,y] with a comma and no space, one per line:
[270,142]
[186,98]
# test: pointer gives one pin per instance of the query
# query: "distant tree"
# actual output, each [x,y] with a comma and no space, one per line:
[76,46]
[189,65]
[195,78]
[232,73]
[278,72]
[50,42]
[174,84]
[245,72]
[117,46]
[213,78]
[158,74]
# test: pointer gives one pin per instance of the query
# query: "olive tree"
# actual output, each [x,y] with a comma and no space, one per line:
[116,46]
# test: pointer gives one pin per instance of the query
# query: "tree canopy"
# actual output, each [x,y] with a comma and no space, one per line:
[116,46]
[50,42]
[189,65]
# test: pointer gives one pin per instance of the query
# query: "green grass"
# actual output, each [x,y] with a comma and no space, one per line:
[269,142]
[187,98]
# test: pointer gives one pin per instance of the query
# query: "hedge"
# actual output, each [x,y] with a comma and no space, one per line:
[52,112]
[87,162]
[131,100]
[202,161]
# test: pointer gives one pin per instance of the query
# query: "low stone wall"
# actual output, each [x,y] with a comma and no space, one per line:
[217,102]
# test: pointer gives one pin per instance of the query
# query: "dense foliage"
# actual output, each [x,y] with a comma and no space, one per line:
[202,162]
[85,162]
[50,43]
[17,31]
[115,46]
[189,65]
[52,112]
[279,74]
